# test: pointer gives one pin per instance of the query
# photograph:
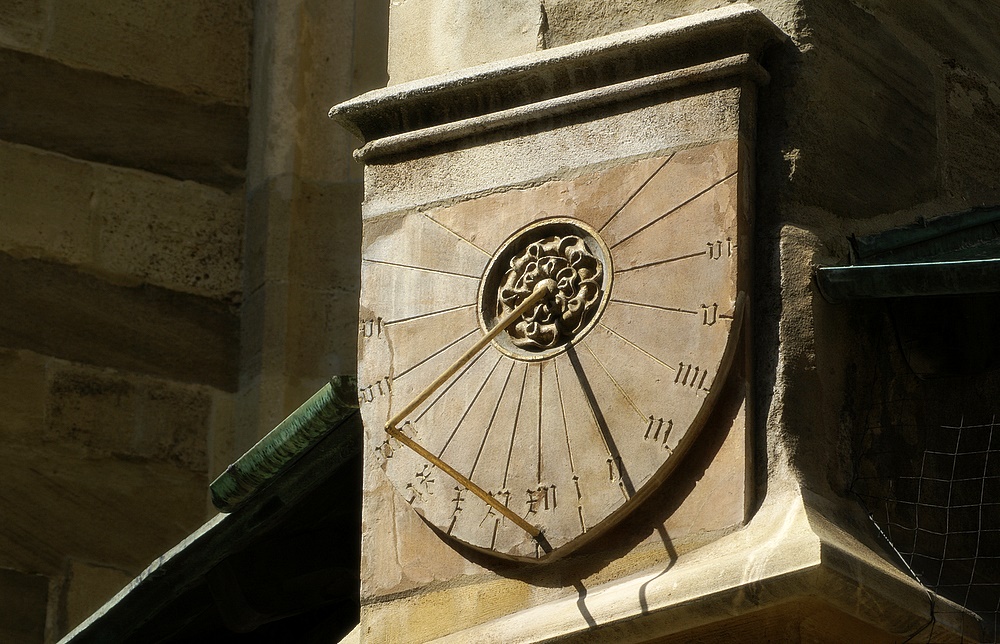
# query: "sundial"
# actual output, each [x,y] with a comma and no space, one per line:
[536,361]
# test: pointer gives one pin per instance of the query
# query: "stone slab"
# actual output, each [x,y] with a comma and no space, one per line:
[430,37]
[130,226]
[130,40]
[878,97]
[102,413]
[519,159]
[24,598]
[144,329]
[85,589]
[126,122]
[96,510]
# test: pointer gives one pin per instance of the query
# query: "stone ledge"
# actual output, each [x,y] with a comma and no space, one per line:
[741,65]
[561,71]
[788,552]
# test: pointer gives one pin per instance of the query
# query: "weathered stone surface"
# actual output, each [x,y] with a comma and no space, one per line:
[23,395]
[430,37]
[103,413]
[862,128]
[298,318]
[961,30]
[571,21]
[371,44]
[97,510]
[130,226]
[126,122]
[24,598]
[85,589]
[179,235]
[208,43]
[22,23]
[293,69]
[57,311]
[972,111]
[451,173]
[46,205]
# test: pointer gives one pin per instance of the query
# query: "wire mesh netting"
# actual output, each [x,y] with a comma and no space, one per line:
[928,474]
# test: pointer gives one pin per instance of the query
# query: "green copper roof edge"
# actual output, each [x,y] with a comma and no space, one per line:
[841,283]
[327,409]
[899,240]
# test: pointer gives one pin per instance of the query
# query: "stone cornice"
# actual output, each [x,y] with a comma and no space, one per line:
[704,47]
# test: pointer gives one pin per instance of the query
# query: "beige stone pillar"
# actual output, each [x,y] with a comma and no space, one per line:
[300,268]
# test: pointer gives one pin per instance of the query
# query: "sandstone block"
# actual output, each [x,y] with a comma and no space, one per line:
[296,69]
[127,122]
[160,43]
[122,510]
[134,227]
[972,154]
[85,589]
[322,334]
[180,235]
[58,311]
[962,30]
[862,112]
[571,21]
[22,395]
[22,23]
[428,37]
[267,231]
[101,412]
[46,205]
[24,597]
[325,236]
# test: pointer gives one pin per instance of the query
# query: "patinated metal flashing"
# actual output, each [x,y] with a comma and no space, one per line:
[290,439]
[952,255]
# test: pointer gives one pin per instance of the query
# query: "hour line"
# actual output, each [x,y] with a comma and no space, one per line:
[489,425]
[603,431]
[467,241]
[435,354]
[614,382]
[451,384]
[513,431]
[662,261]
[562,406]
[539,423]
[429,314]
[470,406]
[655,306]
[672,210]
[636,193]
[420,268]
[635,346]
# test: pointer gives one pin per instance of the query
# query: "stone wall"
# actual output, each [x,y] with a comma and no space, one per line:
[178,233]
[121,227]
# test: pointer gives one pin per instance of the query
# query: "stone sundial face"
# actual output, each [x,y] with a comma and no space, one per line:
[584,403]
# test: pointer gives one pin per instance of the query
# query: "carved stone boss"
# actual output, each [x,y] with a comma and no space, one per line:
[625,212]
